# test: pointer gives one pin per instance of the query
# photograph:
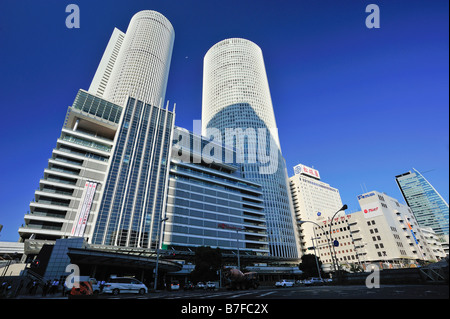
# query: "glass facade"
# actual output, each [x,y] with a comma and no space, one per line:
[236,99]
[209,201]
[429,208]
[96,106]
[133,200]
[59,260]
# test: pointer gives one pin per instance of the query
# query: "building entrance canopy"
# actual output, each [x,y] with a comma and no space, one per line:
[125,259]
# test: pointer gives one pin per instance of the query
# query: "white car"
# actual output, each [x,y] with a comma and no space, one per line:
[200,285]
[124,285]
[210,285]
[285,283]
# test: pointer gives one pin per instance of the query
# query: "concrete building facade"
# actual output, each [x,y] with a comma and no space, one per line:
[313,200]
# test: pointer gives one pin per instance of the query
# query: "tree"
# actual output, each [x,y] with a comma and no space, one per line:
[207,262]
[309,267]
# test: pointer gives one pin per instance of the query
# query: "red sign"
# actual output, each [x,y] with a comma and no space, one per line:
[370,210]
[302,169]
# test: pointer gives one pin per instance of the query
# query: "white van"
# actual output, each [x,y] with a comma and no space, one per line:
[124,285]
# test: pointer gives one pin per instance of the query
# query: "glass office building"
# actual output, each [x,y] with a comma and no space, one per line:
[134,195]
[137,63]
[237,108]
[428,206]
[70,195]
[209,203]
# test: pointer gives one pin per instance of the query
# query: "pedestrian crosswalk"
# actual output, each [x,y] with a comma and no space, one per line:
[211,295]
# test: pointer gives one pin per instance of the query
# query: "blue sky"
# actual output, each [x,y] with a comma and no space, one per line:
[360,105]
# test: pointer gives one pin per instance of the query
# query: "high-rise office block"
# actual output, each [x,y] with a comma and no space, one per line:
[428,206]
[313,201]
[108,174]
[237,108]
[140,68]
[106,65]
[135,191]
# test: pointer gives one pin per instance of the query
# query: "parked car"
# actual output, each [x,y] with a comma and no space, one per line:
[210,285]
[313,281]
[174,285]
[124,285]
[285,283]
[200,285]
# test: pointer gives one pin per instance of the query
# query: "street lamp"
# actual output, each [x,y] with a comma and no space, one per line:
[308,221]
[237,229]
[157,250]
[331,237]
[315,255]
[238,255]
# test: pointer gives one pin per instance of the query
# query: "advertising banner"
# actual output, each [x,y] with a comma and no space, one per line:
[84,209]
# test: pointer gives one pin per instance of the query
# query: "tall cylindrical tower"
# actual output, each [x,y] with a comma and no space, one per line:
[234,73]
[142,66]
[236,98]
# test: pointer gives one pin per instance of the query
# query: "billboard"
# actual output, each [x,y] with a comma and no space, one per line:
[305,170]
[371,210]
[84,209]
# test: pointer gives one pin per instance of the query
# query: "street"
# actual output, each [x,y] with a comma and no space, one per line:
[315,292]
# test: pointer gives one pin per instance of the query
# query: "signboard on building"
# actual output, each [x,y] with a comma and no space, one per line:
[365,195]
[305,170]
[371,210]
[84,209]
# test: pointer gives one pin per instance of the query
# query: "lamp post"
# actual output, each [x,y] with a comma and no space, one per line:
[237,229]
[157,251]
[331,236]
[315,255]
[308,221]
[237,243]
[239,257]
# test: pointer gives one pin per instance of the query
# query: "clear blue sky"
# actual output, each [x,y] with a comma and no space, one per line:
[360,105]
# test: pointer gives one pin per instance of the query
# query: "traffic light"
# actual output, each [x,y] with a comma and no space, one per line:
[35,263]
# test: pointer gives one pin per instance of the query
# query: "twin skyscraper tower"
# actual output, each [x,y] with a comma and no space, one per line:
[123,175]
